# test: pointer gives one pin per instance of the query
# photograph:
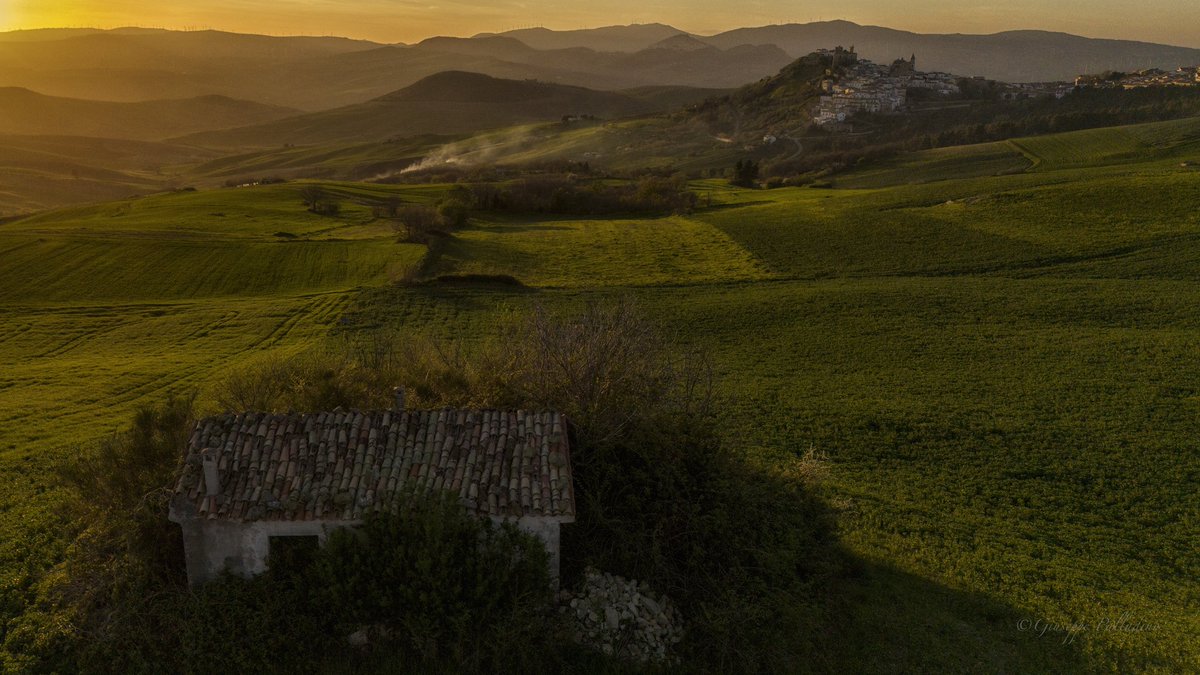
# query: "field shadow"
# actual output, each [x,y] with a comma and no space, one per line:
[529,228]
[716,208]
[885,620]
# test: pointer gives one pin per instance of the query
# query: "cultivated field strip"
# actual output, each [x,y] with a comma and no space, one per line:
[114,363]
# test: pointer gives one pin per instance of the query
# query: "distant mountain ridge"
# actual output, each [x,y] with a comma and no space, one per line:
[325,73]
[1013,56]
[631,38]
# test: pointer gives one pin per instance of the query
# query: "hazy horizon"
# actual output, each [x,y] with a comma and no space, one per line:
[401,21]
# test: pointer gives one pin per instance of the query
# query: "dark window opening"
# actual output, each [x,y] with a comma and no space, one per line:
[292,553]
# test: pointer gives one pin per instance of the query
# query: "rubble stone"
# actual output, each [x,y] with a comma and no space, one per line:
[623,617]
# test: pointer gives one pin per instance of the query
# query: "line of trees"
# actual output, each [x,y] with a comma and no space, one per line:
[565,194]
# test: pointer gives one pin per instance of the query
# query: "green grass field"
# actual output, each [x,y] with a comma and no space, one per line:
[1161,143]
[1001,369]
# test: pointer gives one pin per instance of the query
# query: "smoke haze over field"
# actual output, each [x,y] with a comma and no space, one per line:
[475,151]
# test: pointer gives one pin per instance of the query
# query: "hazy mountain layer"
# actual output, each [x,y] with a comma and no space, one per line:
[1014,56]
[26,112]
[447,103]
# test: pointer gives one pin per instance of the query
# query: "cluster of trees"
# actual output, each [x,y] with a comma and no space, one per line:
[739,545]
[745,173]
[417,223]
[319,200]
[567,194]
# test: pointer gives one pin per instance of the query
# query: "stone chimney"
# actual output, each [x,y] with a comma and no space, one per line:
[212,477]
[399,405]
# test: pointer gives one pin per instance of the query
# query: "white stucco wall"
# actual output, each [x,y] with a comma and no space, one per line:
[213,546]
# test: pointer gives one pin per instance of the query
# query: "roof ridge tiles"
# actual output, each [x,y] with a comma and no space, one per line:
[343,464]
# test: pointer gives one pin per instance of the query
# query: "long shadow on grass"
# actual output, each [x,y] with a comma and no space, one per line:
[884,620]
[733,207]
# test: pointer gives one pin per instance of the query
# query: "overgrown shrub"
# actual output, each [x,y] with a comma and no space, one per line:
[432,587]
[362,373]
[93,608]
[441,586]
[455,209]
[741,542]
[663,497]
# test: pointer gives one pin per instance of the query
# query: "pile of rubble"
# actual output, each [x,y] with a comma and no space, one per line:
[622,617]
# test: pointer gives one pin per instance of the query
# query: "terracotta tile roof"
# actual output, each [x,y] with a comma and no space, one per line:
[343,465]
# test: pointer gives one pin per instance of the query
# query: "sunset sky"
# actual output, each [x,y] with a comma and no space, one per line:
[1168,21]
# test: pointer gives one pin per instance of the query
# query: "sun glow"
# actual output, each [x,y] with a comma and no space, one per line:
[32,14]
[394,20]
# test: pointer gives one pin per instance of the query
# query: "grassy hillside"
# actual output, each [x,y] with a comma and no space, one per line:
[1164,143]
[40,172]
[1000,368]
[1166,140]
[360,161]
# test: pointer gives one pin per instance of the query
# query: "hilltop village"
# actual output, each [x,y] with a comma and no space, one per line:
[855,85]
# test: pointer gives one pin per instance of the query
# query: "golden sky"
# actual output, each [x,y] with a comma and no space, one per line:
[1169,21]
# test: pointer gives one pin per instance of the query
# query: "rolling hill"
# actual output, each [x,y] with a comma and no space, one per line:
[40,172]
[23,112]
[446,103]
[706,135]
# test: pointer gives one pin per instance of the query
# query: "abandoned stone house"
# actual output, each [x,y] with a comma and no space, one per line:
[252,481]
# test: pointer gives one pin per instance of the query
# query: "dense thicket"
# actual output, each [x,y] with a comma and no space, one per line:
[742,547]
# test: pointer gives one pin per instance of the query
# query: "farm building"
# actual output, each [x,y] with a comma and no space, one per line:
[253,481]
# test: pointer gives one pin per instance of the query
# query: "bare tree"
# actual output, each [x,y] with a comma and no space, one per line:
[605,368]
[313,196]
[416,222]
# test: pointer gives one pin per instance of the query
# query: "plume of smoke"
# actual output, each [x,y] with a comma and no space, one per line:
[485,149]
